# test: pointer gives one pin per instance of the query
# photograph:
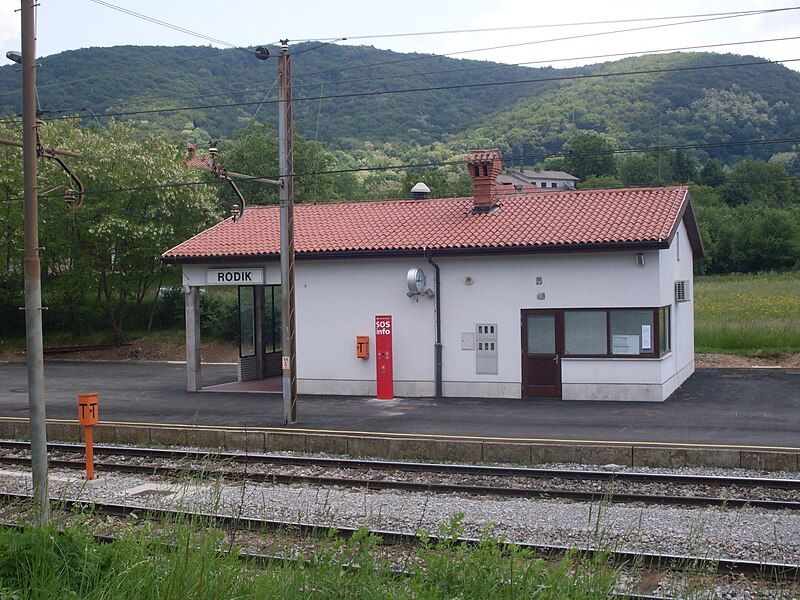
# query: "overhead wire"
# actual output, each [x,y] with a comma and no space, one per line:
[522,27]
[433,88]
[546,40]
[446,163]
[732,14]
[269,91]
[493,66]
[168,25]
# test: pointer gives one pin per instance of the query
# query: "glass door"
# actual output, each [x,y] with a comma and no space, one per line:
[542,347]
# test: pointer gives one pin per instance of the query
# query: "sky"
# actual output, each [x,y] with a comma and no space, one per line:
[71,24]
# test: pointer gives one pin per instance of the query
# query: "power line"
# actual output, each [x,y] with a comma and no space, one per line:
[497,66]
[168,25]
[429,164]
[548,40]
[522,27]
[542,156]
[433,88]
[715,16]
[55,84]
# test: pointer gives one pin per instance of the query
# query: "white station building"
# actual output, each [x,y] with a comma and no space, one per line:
[578,295]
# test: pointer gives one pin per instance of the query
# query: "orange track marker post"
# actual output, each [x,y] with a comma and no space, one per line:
[88,416]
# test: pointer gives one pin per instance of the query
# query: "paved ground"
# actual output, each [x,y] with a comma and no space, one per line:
[716,406]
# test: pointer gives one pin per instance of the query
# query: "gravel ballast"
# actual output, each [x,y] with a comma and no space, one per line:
[744,533]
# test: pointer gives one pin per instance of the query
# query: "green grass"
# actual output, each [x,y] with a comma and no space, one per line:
[42,563]
[744,314]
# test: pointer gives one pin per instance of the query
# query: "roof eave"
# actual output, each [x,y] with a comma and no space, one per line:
[686,215]
[393,253]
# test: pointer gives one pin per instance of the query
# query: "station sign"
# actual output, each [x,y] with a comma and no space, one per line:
[243,276]
[383,356]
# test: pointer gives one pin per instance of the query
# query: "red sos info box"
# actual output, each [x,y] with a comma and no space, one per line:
[383,357]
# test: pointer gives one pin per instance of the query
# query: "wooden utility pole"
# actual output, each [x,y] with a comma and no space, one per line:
[33,284]
[286,165]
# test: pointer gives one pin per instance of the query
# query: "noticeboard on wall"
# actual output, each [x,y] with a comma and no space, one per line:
[625,344]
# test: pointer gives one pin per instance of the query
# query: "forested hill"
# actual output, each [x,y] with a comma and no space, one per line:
[669,99]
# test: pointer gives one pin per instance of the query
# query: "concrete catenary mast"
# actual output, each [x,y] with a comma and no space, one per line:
[288,344]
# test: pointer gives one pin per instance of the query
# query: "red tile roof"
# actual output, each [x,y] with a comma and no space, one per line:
[199,162]
[607,217]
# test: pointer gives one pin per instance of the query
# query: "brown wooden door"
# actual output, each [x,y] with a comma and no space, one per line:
[542,347]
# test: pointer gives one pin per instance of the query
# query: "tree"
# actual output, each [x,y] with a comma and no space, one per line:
[11,247]
[104,259]
[639,170]
[758,182]
[589,154]
[604,182]
[712,173]
[765,239]
[255,152]
[683,167]
[442,183]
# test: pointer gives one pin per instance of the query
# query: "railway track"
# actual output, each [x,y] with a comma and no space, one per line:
[413,486]
[417,467]
[771,571]
[372,483]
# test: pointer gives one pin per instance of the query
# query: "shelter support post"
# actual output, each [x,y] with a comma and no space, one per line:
[193,378]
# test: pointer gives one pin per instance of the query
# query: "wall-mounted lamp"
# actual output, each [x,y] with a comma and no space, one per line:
[640,259]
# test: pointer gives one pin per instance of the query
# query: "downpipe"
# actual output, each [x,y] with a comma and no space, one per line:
[437,347]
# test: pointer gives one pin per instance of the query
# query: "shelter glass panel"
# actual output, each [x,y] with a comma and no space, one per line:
[632,332]
[541,334]
[664,340]
[247,315]
[585,332]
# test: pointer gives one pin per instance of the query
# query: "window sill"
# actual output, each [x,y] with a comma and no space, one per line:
[628,357]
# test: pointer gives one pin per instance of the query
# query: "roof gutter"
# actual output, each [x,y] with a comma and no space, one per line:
[437,346]
[471,250]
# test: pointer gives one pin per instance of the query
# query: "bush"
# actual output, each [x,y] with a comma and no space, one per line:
[12,319]
[170,309]
[219,314]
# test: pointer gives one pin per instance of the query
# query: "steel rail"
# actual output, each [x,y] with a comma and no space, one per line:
[609,496]
[724,566]
[424,467]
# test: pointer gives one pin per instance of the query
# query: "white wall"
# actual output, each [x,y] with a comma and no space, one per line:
[676,263]
[503,285]
[337,300]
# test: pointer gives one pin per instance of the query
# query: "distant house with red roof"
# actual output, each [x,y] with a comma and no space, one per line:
[580,295]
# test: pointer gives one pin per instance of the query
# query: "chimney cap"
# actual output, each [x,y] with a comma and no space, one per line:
[420,191]
[487,155]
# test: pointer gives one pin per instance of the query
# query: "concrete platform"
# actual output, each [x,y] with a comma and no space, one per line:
[729,407]
[270,385]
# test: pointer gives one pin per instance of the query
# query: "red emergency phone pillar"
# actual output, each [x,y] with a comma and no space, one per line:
[383,356]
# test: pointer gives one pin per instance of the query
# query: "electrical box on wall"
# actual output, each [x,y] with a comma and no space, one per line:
[486,349]
[362,346]
[468,340]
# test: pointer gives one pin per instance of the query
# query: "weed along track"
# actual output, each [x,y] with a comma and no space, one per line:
[654,561]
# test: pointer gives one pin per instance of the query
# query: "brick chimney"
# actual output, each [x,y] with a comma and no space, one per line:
[484,166]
